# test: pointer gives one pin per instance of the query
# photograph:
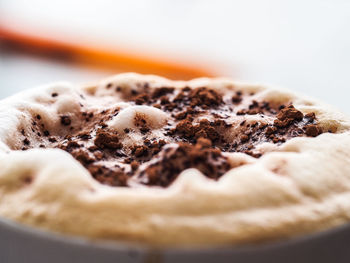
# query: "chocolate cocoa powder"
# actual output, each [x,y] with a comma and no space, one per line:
[195,136]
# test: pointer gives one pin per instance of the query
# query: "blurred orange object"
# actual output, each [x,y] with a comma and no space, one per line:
[116,60]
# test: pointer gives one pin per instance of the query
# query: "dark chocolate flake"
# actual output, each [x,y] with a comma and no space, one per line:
[198,126]
[173,161]
[107,140]
[26,141]
[65,120]
[312,130]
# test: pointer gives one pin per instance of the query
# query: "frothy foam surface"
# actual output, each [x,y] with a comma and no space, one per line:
[148,135]
[146,159]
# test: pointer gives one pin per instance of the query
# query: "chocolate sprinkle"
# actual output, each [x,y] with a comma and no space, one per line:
[65,120]
[196,135]
[201,156]
[107,140]
[26,141]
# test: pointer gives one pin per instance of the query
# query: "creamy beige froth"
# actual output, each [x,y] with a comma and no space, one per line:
[145,159]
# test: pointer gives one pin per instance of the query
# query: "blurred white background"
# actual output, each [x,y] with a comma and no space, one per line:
[300,45]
